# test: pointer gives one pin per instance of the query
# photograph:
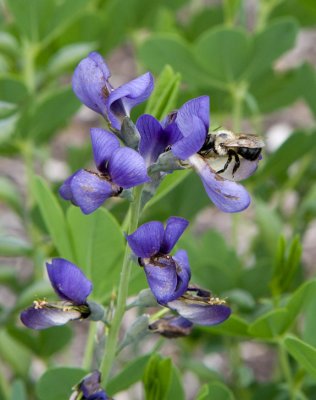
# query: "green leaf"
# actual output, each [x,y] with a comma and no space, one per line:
[10,195]
[270,325]
[161,49]
[99,247]
[38,20]
[275,90]
[68,56]
[14,246]
[49,115]
[215,390]
[12,90]
[167,185]
[132,373]
[270,44]
[53,217]
[224,53]
[295,147]
[157,378]
[18,390]
[302,352]
[176,389]
[8,44]
[233,326]
[163,98]
[304,11]
[286,265]
[16,355]
[309,326]
[53,340]
[57,383]
[38,289]
[299,299]
[270,226]
[215,264]
[7,129]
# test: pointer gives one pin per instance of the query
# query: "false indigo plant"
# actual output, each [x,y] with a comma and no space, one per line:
[176,142]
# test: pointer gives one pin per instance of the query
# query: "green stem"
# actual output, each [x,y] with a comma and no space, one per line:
[112,340]
[238,93]
[88,354]
[286,371]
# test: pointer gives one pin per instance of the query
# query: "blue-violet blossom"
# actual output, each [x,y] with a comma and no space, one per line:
[168,276]
[91,85]
[71,285]
[89,388]
[199,307]
[119,168]
[192,119]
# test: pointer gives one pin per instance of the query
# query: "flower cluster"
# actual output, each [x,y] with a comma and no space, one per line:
[177,142]
[169,276]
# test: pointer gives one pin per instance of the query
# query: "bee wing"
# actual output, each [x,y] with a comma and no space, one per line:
[250,141]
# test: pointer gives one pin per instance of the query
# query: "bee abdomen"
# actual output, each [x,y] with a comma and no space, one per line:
[248,153]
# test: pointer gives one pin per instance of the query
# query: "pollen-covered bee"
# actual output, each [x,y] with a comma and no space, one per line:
[224,143]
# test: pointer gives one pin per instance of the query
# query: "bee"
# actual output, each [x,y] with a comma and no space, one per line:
[225,143]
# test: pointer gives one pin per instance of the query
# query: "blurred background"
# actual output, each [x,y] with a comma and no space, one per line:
[256,60]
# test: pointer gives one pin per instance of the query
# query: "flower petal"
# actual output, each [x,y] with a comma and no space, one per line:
[104,143]
[154,139]
[246,168]
[89,81]
[198,107]
[228,196]
[183,273]
[129,95]
[90,191]
[127,168]
[174,228]
[162,280]
[201,314]
[146,240]
[190,144]
[68,281]
[65,190]
[42,318]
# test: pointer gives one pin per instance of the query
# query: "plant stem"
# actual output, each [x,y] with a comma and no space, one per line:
[286,371]
[88,354]
[111,343]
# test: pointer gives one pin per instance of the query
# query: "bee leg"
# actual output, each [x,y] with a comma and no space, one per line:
[231,153]
[237,163]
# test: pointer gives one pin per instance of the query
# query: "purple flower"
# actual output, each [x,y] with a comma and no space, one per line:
[119,168]
[71,286]
[155,138]
[199,307]
[167,276]
[89,388]
[172,327]
[91,85]
[192,120]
